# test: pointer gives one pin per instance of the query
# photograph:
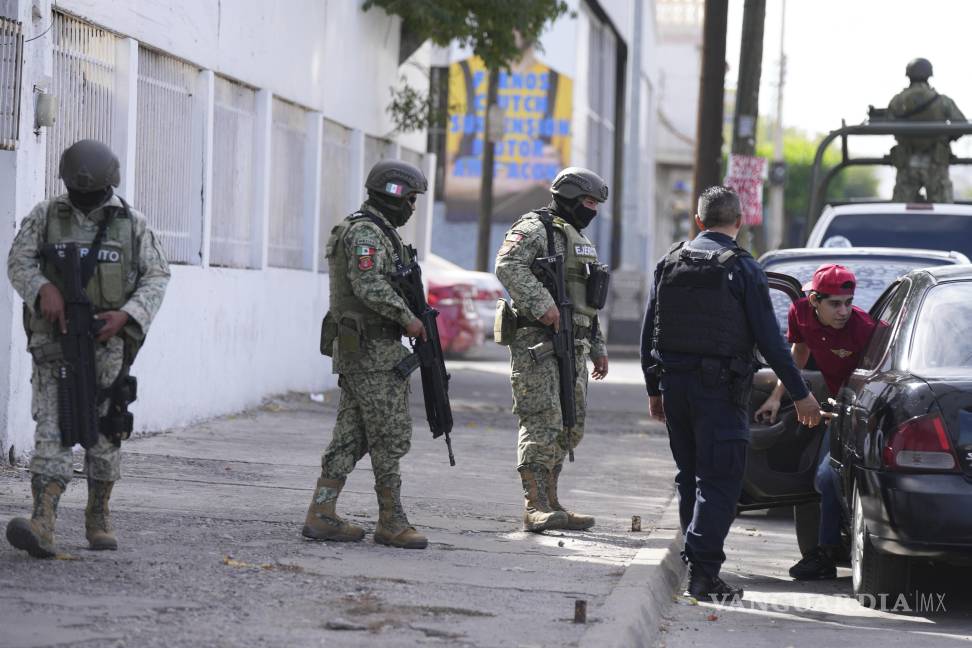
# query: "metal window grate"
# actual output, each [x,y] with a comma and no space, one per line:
[165,153]
[84,84]
[376,149]
[233,154]
[287,185]
[11,64]
[335,179]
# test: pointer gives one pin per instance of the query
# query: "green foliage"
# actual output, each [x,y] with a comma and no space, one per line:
[798,152]
[494,29]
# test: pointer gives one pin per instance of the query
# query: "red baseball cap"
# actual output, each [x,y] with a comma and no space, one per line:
[832,279]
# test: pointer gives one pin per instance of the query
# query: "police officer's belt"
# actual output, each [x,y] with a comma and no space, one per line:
[580,332]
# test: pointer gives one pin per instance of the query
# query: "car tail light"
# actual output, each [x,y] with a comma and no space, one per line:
[443,296]
[920,443]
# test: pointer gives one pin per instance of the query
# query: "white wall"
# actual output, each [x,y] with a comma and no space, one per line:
[226,338]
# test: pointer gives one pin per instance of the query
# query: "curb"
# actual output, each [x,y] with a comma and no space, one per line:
[632,612]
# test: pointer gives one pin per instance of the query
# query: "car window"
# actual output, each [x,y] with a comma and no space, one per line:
[885,316]
[874,275]
[919,229]
[940,347]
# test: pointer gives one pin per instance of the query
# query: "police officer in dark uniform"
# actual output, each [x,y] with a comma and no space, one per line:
[709,308]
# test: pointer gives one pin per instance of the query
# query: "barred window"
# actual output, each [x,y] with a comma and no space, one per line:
[167,153]
[287,185]
[234,122]
[84,83]
[336,192]
[11,60]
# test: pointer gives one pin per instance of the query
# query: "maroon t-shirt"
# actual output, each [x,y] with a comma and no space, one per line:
[836,351]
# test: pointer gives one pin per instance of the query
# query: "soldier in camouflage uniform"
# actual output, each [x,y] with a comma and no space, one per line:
[543,441]
[363,334]
[127,290]
[922,161]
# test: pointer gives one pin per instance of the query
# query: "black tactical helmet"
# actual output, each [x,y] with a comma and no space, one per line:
[396,179]
[89,165]
[919,69]
[574,182]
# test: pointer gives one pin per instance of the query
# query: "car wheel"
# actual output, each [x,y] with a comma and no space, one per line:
[878,578]
[806,519]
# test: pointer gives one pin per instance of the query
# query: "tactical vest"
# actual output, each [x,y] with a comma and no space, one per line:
[579,255]
[695,311]
[344,303]
[116,273]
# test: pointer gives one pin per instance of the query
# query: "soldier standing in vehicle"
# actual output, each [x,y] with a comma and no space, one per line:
[922,161]
[708,310]
[126,291]
[363,334]
[544,442]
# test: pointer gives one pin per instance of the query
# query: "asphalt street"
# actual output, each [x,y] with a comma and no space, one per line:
[779,612]
[209,518]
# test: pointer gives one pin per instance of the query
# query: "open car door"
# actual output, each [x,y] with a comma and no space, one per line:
[782,457]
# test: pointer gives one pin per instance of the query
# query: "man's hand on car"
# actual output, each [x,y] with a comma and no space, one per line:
[767,412]
[808,411]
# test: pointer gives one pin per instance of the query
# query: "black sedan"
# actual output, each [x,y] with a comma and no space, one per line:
[782,458]
[902,440]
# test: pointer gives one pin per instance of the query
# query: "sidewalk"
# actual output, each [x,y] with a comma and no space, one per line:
[209,521]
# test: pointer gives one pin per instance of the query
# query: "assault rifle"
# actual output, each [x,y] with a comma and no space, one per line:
[77,380]
[561,344]
[427,354]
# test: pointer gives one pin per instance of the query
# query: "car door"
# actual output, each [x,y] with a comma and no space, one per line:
[858,395]
[782,457]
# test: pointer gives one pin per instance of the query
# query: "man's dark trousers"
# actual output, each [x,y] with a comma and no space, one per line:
[708,434]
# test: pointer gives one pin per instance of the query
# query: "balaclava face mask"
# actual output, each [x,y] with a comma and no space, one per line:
[88,201]
[573,211]
[397,210]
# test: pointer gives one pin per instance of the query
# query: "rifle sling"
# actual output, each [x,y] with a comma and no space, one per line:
[90,261]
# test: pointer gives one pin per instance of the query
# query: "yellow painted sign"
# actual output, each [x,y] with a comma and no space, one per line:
[537,103]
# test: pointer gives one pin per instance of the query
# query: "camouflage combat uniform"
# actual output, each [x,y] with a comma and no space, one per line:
[373,416]
[922,161]
[132,276]
[536,400]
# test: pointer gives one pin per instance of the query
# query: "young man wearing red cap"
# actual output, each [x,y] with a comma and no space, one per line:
[828,326]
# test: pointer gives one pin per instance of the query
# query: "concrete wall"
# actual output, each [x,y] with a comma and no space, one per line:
[224,338]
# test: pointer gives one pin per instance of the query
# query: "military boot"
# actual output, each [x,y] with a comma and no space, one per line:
[36,535]
[322,522]
[539,516]
[393,527]
[575,521]
[97,518]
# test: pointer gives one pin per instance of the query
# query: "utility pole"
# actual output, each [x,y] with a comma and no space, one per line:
[492,128]
[747,93]
[708,143]
[776,233]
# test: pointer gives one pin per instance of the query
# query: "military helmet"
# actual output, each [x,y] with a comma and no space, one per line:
[918,69]
[89,165]
[396,178]
[574,182]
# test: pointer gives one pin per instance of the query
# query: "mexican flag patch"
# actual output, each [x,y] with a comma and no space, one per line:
[364,250]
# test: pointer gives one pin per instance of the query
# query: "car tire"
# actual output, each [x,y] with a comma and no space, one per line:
[806,520]
[878,578]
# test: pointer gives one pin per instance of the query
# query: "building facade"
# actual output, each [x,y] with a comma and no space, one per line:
[245,130]
[585,97]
